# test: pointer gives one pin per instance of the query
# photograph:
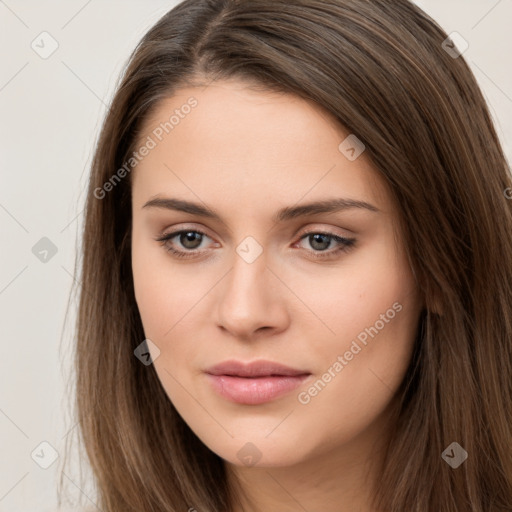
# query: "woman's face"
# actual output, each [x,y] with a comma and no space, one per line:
[260,276]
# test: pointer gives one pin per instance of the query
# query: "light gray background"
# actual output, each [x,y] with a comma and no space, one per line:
[50,111]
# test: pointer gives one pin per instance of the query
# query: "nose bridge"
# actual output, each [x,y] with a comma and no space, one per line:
[250,300]
[248,277]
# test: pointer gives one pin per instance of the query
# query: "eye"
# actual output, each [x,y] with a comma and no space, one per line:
[191,239]
[321,242]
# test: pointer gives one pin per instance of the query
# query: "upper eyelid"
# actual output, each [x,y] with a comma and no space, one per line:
[326,230]
[174,233]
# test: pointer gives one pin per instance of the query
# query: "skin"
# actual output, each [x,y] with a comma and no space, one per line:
[246,154]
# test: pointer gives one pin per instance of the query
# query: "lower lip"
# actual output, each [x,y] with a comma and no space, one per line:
[254,390]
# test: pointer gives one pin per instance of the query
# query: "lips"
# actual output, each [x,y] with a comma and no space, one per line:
[254,383]
[254,369]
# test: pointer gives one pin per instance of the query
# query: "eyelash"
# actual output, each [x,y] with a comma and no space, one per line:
[345,244]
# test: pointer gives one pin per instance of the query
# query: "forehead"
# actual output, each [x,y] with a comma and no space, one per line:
[228,141]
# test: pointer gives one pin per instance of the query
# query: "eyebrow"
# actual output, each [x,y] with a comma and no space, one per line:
[285,214]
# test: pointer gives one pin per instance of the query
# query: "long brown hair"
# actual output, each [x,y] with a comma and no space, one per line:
[380,67]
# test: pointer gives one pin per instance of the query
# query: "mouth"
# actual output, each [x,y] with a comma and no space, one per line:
[254,383]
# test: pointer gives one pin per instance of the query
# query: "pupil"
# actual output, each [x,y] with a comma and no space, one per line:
[188,239]
[318,238]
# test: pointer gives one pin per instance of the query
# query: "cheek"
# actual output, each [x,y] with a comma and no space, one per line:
[164,290]
[374,313]
[359,379]
[159,291]
[356,293]
[371,312]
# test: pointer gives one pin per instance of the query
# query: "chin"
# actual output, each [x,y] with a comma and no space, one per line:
[259,451]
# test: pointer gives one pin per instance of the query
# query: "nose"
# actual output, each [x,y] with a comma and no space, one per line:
[252,300]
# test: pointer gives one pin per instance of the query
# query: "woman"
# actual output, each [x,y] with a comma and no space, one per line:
[297,268]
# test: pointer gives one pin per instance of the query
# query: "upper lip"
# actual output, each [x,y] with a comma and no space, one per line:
[254,369]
